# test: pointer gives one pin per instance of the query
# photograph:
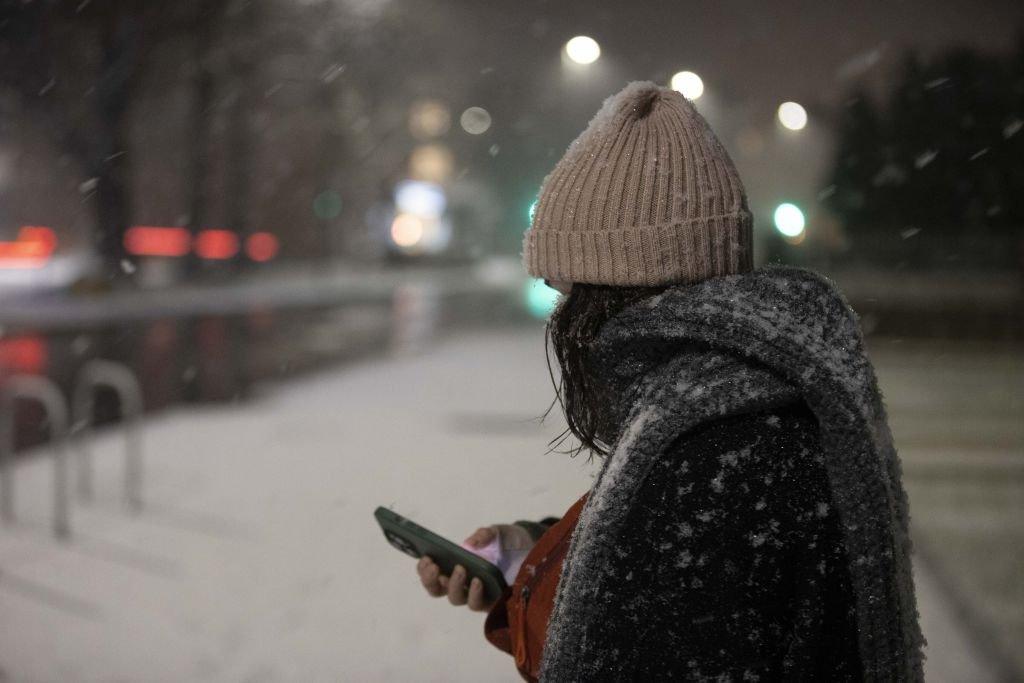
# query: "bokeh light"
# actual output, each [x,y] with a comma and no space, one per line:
[406,230]
[327,205]
[540,299]
[429,119]
[216,244]
[689,84]
[420,198]
[150,240]
[583,50]
[433,162]
[475,120]
[749,142]
[33,247]
[792,116]
[262,246]
[789,219]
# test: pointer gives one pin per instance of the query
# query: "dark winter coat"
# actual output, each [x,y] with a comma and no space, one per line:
[750,522]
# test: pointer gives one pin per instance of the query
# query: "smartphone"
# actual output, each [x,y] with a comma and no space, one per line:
[414,540]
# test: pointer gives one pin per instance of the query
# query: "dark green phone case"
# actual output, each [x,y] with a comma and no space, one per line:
[414,540]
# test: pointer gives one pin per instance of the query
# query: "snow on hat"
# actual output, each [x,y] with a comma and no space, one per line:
[646,195]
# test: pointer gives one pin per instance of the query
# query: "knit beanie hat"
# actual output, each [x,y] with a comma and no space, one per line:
[645,196]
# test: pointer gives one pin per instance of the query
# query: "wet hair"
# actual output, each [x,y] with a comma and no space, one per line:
[573,325]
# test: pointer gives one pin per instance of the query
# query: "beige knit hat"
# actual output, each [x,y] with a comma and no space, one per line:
[645,196]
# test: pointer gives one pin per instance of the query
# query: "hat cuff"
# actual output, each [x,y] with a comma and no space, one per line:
[644,256]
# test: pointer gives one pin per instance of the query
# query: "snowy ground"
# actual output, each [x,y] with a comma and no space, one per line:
[257,557]
[956,415]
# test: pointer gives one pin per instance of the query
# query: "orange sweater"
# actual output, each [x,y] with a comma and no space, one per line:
[518,621]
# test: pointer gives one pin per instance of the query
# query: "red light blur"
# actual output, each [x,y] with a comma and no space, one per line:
[216,244]
[33,247]
[23,355]
[147,240]
[262,246]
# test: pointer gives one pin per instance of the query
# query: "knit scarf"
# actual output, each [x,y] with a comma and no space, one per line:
[744,343]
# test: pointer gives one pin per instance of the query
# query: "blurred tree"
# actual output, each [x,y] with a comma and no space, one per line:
[204,31]
[48,51]
[77,67]
[862,153]
[941,161]
[241,113]
[243,20]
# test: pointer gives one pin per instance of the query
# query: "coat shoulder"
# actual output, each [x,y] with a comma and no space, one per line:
[775,450]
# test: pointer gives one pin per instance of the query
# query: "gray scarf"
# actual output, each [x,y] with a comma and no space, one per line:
[744,343]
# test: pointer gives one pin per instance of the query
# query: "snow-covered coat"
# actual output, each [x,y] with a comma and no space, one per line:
[701,354]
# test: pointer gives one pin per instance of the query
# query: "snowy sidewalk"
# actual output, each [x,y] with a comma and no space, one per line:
[257,557]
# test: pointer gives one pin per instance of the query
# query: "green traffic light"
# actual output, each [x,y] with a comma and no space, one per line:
[540,299]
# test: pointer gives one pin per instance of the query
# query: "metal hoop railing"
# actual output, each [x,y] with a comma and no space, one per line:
[104,373]
[45,393]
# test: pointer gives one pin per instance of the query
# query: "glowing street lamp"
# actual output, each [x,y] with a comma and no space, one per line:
[583,50]
[689,84]
[789,220]
[407,230]
[792,116]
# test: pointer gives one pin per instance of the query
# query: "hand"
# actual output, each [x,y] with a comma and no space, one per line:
[454,586]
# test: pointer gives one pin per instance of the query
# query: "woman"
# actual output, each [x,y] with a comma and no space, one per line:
[749,520]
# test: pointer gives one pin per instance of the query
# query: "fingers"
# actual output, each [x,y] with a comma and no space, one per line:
[430,577]
[482,536]
[457,586]
[476,600]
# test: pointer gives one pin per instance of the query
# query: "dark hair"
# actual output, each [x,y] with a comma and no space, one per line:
[572,327]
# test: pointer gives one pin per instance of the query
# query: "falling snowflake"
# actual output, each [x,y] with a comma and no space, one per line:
[925,158]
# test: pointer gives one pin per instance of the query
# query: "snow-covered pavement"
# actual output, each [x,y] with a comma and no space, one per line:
[257,557]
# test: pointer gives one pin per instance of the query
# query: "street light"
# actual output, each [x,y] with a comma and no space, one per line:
[689,84]
[407,230]
[792,116]
[583,50]
[789,220]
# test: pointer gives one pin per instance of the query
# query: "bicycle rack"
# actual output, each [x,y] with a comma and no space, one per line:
[103,373]
[45,393]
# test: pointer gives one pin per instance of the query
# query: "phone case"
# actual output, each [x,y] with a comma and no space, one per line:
[414,540]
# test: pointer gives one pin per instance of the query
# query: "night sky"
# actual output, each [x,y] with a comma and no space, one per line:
[790,49]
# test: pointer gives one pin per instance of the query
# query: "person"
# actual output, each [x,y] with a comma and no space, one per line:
[749,521]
